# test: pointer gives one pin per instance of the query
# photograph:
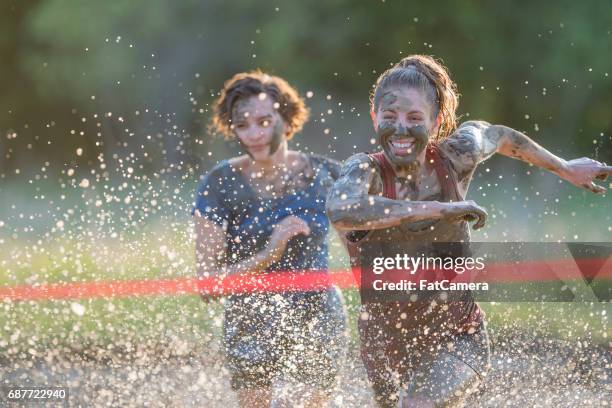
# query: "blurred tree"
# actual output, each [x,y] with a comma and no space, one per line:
[155,65]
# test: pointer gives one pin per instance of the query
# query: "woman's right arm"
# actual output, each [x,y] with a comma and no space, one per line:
[210,252]
[351,207]
[211,246]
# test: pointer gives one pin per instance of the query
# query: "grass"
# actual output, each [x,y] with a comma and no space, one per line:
[164,250]
[185,322]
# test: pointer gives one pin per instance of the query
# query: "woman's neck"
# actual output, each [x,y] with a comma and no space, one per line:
[279,160]
[411,171]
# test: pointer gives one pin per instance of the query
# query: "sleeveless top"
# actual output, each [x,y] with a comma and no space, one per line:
[420,322]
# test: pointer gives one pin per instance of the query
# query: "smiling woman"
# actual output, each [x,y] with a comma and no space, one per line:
[286,101]
[263,212]
[409,198]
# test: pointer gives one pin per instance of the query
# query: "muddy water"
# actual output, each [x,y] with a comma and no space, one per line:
[537,372]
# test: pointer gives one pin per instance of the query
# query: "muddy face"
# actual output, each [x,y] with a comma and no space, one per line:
[402,145]
[404,120]
[259,127]
[278,136]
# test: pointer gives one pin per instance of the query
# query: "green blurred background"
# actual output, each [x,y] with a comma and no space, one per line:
[119,92]
[103,108]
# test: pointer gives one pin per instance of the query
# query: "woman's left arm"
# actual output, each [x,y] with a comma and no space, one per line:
[475,141]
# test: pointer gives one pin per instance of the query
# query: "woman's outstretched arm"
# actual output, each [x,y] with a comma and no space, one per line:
[475,141]
[350,207]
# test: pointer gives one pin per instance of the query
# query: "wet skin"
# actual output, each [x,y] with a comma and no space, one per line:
[388,133]
[256,124]
[272,170]
[255,114]
[355,202]
[414,127]
[476,141]
[278,132]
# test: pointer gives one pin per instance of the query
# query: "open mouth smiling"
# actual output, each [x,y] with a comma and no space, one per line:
[403,146]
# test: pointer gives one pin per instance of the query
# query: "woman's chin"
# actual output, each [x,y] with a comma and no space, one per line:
[404,163]
[401,152]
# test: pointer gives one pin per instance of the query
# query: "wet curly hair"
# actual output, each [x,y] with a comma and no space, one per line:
[286,99]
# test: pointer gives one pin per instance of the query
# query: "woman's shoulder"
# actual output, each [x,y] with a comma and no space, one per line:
[219,178]
[224,168]
[237,162]
[319,161]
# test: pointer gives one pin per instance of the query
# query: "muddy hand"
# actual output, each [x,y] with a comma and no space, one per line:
[582,173]
[468,211]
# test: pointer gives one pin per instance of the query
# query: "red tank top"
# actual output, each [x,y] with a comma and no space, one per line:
[467,315]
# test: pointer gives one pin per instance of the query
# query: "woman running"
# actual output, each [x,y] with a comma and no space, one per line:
[410,197]
[264,211]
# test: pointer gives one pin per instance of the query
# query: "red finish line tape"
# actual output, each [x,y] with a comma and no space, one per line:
[277,282]
[290,281]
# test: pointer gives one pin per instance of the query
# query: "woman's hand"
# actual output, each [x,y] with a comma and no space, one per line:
[466,211]
[288,228]
[582,173]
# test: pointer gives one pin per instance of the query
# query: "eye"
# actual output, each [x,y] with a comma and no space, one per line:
[415,118]
[240,125]
[388,115]
[264,123]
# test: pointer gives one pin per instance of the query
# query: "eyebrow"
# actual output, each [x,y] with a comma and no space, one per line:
[391,109]
[242,117]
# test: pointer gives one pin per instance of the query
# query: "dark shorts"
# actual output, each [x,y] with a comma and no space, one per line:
[299,337]
[444,373]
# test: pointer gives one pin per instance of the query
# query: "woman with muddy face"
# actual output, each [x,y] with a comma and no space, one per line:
[263,212]
[412,196]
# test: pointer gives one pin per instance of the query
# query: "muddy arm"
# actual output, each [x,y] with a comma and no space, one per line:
[475,141]
[350,207]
